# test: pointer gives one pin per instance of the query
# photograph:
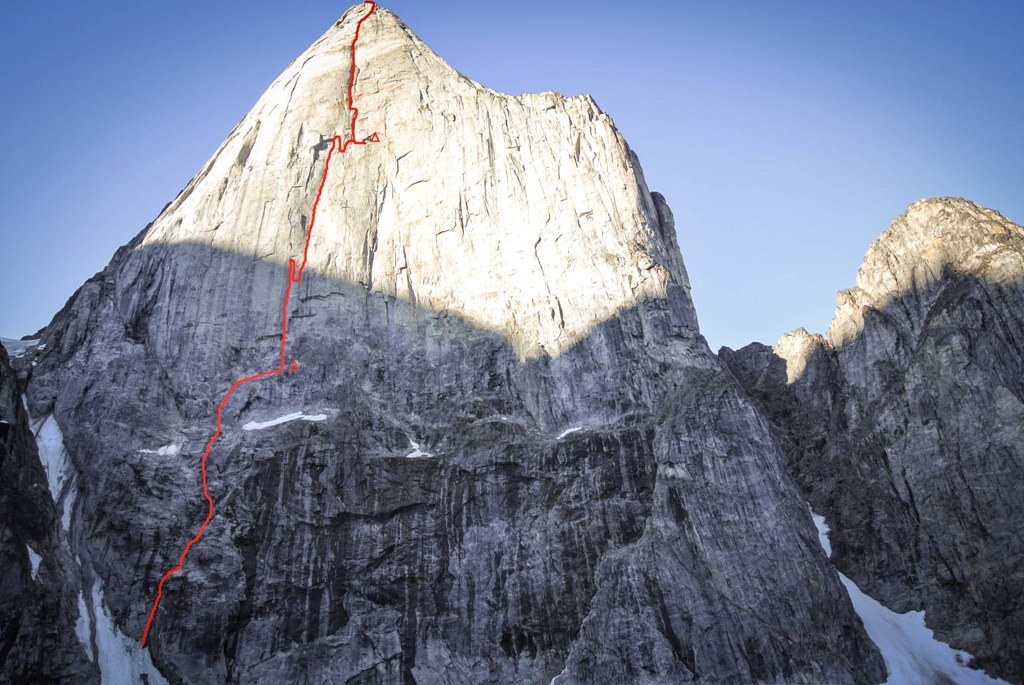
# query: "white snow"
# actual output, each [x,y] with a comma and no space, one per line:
[56,464]
[912,654]
[120,659]
[823,531]
[34,559]
[18,348]
[165,451]
[69,506]
[83,626]
[568,431]
[416,451]
[260,425]
[53,455]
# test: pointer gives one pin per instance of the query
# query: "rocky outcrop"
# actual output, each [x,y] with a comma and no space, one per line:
[904,424]
[39,585]
[507,454]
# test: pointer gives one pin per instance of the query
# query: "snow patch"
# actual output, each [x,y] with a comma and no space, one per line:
[823,531]
[50,441]
[18,348]
[120,660]
[165,451]
[83,626]
[416,451]
[569,431]
[260,425]
[33,559]
[912,654]
[54,458]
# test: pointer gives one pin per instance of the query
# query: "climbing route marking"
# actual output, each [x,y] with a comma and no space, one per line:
[294,276]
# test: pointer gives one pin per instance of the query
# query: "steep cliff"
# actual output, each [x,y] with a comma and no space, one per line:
[905,424]
[40,585]
[506,455]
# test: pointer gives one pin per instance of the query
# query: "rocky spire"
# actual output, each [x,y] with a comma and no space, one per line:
[905,424]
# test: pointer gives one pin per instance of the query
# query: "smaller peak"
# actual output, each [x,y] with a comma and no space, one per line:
[796,349]
[931,240]
[932,206]
[797,342]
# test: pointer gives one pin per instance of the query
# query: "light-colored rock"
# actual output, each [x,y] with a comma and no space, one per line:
[796,347]
[527,216]
[905,425]
[489,276]
[932,239]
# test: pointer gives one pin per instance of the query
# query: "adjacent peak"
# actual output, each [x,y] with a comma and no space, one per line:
[933,238]
[796,348]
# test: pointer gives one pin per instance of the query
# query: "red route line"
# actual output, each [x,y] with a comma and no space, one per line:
[294,276]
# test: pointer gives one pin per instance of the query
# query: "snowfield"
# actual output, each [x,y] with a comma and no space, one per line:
[54,458]
[912,654]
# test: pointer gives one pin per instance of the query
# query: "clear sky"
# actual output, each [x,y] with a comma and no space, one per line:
[785,135]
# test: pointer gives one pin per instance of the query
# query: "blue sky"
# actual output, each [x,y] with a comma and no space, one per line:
[785,135]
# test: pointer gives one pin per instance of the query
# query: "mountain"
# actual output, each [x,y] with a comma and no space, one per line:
[457,426]
[904,424]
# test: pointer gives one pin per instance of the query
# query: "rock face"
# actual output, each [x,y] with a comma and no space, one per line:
[39,583]
[510,457]
[905,424]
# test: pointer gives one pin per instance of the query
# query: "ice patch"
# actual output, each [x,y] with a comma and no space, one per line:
[823,531]
[33,559]
[912,654]
[18,348]
[53,455]
[83,626]
[569,431]
[54,458]
[416,451]
[165,451]
[260,425]
[120,660]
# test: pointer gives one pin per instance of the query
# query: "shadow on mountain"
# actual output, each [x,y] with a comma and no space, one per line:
[449,513]
[909,438]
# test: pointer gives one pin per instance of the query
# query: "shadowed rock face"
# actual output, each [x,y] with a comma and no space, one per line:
[905,426]
[38,598]
[523,462]
[660,540]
